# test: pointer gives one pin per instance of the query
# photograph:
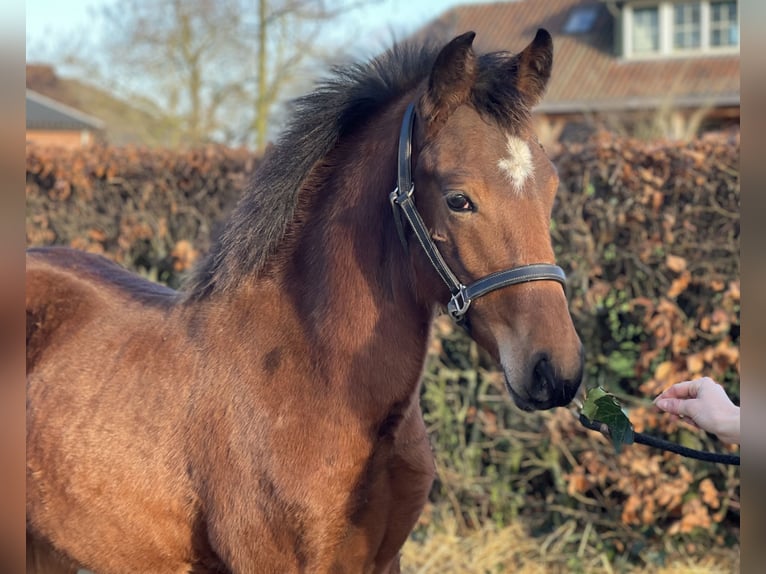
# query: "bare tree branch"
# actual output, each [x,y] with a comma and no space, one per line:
[212,68]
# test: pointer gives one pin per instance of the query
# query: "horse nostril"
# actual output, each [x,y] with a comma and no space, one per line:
[544,378]
[548,388]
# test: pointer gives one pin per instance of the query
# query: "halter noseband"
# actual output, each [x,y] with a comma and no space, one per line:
[402,204]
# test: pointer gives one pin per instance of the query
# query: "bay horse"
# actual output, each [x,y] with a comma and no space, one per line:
[265,417]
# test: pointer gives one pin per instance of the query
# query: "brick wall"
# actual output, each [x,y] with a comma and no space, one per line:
[68,139]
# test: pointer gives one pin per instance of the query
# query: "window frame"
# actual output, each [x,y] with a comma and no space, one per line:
[687,28]
[710,25]
[633,29]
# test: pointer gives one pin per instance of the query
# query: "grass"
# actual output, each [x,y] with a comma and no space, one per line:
[441,548]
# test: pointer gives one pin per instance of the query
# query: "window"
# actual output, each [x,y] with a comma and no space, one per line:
[724,29]
[646,30]
[682,27]
[581,20]
[687,26]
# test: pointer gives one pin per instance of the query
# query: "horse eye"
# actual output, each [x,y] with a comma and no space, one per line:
[459,202]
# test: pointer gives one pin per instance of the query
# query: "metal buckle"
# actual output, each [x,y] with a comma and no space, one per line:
[396,195]
[458,304]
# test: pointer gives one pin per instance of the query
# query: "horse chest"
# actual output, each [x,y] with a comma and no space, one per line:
[390,501]
[328,508]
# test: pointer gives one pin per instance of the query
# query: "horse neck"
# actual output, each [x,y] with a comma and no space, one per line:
[345,284]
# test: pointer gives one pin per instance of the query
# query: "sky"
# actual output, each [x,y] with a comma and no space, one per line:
[55,28]
[52,23]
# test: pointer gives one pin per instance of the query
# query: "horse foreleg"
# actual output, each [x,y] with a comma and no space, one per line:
[412,472]
[42,558]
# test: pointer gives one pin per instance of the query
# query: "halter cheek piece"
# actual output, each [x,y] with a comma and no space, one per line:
[403,205]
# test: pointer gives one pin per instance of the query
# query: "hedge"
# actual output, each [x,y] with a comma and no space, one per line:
[648,234]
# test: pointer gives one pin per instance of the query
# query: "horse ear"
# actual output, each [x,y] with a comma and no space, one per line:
[534,68]
[451,79]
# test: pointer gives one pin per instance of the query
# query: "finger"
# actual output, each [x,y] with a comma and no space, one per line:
[673,406]
[683,390]
[684,421]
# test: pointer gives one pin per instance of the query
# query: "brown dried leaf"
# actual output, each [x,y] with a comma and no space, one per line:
[710,494]
[680,284]
[675,263]
[695,364]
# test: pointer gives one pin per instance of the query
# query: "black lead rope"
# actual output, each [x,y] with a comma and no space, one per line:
[655,442]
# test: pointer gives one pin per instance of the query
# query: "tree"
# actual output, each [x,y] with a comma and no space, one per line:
[183,54]
[287,31]
[213,69]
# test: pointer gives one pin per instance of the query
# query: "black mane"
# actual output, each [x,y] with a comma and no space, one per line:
[340,104]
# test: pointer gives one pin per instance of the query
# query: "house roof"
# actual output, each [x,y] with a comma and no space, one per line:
[48,114]
[587,75]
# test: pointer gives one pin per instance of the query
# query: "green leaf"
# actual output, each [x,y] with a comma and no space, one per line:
[589,406]
[608,411]
[602,407]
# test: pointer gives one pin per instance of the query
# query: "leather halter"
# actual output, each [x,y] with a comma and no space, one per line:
[403,204]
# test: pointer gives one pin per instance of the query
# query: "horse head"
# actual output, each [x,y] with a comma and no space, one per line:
[485,191]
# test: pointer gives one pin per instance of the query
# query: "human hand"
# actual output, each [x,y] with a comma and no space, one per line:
[705,404]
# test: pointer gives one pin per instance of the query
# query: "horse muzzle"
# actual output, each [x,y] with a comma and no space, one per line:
[542,386]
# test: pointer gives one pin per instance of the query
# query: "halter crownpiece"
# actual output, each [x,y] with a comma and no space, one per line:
[403,205]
